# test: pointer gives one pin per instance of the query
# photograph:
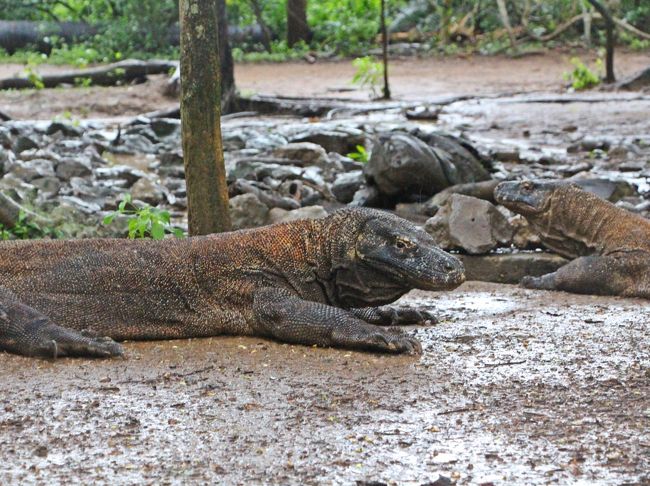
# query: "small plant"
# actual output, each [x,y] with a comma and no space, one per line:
[145,222]
[35,78]
[83,82]
[360,154]
[26,229]
[582,77]
[369,74]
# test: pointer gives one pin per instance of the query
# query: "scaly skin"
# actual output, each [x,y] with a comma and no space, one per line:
[611,246]
[322,282]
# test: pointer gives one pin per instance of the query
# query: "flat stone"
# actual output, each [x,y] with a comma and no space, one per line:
[510,268]
[247,211]
[470,224]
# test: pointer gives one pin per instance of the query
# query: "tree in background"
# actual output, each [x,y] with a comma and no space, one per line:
[297,28]
[205,174]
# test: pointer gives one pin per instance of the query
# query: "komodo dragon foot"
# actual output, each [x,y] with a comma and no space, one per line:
[286,317]
[394,316]
[24,330]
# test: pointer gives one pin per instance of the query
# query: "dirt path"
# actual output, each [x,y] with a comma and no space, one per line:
[411,79]
[515,387]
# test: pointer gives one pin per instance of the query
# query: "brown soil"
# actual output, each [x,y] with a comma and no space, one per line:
[411,79]
[514,387]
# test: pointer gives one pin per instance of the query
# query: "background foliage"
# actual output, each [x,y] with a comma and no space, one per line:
[143,28]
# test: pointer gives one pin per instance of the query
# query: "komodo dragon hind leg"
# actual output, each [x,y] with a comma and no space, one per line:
[599,275]
[24,330]
[286,317]
[394,316]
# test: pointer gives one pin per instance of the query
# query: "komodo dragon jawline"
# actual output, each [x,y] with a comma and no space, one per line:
[611,246]
[314,282]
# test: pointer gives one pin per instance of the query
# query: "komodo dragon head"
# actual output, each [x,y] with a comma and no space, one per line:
[390,256]
[528,198]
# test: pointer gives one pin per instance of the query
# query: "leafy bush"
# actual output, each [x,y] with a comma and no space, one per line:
[145,221]
[582,77]
[360,154]
[369,73]
[27,229]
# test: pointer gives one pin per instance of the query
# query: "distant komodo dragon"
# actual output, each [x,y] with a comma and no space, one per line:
[315,282]
[611,246]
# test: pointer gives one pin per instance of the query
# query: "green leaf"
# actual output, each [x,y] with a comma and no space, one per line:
[109,219]
[157,231]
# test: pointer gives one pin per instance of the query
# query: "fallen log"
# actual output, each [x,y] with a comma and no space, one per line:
[19,34]
[109,75]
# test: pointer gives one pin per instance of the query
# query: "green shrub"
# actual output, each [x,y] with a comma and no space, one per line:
[145,221]
[582,77]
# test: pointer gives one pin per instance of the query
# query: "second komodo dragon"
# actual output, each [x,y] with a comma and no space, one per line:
[315,282]
[611,246]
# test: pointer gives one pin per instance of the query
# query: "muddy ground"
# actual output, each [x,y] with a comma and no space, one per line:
[514,387]
[411,79]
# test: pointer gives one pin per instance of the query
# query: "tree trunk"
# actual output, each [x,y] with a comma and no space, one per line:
[205,174]
[266,33]
[505,20]
[297,28]
[384,49]
[609,23]
[227,66]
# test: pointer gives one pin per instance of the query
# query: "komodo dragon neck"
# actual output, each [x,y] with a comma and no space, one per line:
[578,223]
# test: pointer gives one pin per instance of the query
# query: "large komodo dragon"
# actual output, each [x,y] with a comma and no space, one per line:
[611,246]
[315,282]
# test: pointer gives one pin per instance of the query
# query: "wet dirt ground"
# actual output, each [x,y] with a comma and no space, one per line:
[514,387]
[411,79]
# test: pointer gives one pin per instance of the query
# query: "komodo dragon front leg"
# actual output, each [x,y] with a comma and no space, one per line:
[24,330]
[287,317]
[599,275]
[387,315]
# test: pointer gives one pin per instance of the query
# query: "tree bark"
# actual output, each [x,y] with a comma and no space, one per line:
[609,26]
[297,28]
[227,66]
[384,49]
[505,20]
[266,33]
[205,174]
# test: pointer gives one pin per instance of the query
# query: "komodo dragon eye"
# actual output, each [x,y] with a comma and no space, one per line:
[402,243]
[527,186]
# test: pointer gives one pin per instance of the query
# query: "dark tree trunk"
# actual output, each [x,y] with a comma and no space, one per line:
[266,33]
[384,46]
[205,174]
[297,28]
[609,26]
[228,97]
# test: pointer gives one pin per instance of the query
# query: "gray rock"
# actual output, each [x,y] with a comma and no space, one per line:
[613,191]
[66,129]
[470,224]
[510,268]
[147,191]
[247,211]
[48,187]
[7,159]
[347,164]
[86,207]
[23,142]
[303,154]
[404,167]
[125,172]
[346,185]
[28,170]
[343,140]
[266,141]
[277,215]
[73,167]
[5,137]
[164,127]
